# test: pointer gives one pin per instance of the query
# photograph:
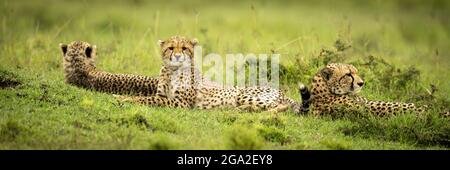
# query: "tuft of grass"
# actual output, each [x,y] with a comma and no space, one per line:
[243,138]
[8,79]
[335,145]
[162,142]
[10,130]
[273,120]
[137,119]
[274,134]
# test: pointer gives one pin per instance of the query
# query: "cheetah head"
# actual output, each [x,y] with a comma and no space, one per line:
[177,51]
[342,78]
[78,55]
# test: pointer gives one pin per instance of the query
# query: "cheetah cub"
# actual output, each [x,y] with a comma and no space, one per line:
[80,71]
[182,85]
[337,85]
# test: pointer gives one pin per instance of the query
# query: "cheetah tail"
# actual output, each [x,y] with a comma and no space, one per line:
[306,97]
[294,105]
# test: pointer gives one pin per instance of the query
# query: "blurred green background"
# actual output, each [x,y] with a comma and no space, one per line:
[401,48]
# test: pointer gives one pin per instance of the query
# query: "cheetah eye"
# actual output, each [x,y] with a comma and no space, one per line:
[184,48]
[348,74]
[171,48]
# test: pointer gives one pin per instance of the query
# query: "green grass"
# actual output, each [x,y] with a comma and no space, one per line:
[408,41]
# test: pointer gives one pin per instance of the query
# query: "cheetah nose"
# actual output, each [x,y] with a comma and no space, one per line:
[177,56]
[360,83]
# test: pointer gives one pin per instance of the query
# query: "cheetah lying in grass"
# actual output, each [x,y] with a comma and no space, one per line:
[181,85]
[337,85]
[80,70]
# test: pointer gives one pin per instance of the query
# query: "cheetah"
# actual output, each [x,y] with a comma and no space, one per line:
[337,85]
[80,71]
[181,85]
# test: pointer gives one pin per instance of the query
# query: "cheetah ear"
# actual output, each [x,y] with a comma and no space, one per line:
[63,48]
[326,73]
[90,51]
[194,41]
[353,68]
[160,42]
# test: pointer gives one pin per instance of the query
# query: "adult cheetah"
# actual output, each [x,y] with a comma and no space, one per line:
[80,70]
[182,85]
